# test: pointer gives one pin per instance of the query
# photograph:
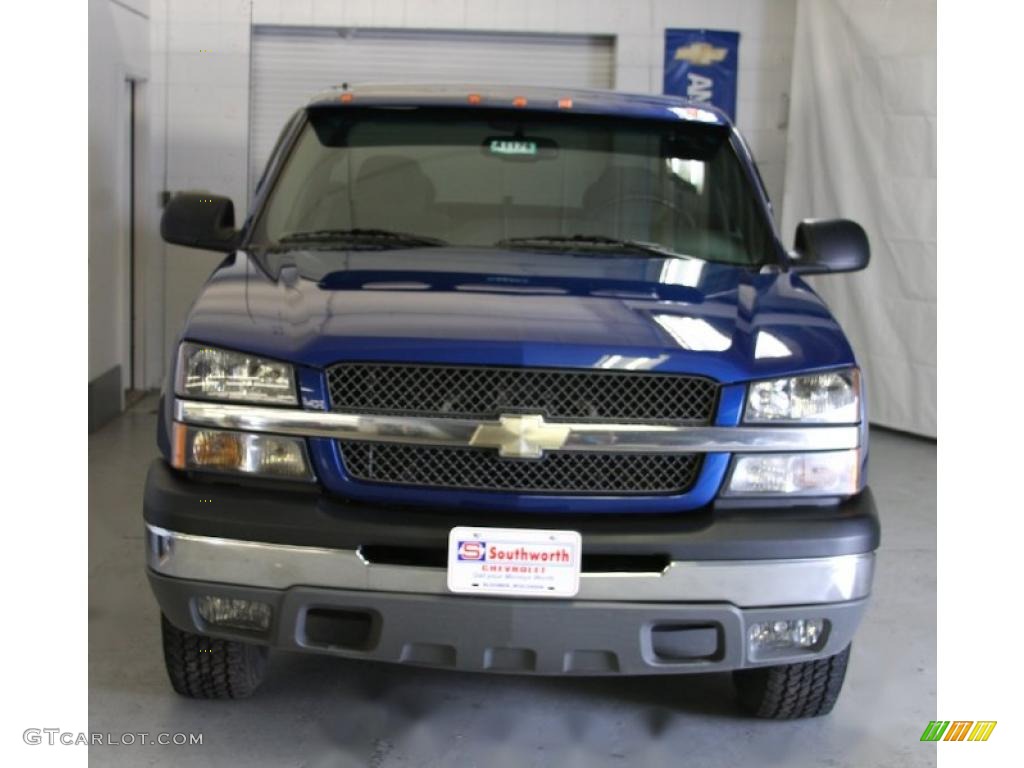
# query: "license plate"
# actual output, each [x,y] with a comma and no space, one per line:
[514,561]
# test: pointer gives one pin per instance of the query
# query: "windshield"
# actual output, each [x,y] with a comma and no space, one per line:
[391,178]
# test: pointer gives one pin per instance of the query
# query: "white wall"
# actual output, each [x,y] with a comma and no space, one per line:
[203,52]
[201,63]
[862,146]
[118,50]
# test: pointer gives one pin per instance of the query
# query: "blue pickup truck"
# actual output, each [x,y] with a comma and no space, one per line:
[513,380]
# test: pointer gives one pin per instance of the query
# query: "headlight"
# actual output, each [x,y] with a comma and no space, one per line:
[220,450]
[825,473]
[820,398]
[217,374]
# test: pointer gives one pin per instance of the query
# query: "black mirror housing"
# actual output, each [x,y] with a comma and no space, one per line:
[200,220]
[823,246]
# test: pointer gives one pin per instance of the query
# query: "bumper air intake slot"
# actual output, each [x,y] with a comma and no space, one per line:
[675,643]
[354,630]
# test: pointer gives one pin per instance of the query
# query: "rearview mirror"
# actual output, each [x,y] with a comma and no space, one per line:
[824,246]
[200,220]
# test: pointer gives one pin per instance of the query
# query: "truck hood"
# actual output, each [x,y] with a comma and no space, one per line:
[489,306]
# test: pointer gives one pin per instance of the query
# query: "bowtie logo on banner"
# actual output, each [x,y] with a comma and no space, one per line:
[701,54]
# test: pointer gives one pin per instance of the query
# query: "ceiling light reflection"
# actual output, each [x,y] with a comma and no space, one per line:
[768,346]
[630,363]
[686,272]
[694,333]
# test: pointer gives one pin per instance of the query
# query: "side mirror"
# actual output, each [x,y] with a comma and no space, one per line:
[200,220]
[823,246]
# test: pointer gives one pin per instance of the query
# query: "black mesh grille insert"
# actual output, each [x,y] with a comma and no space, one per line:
[486,393]
[557,472]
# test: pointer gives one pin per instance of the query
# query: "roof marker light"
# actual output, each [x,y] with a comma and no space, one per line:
[473,98]
[565,103]
[519,101]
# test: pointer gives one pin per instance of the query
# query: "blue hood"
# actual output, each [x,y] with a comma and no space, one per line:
[487,306]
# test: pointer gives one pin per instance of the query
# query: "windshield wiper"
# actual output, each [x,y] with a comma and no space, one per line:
[363,237]
[590,243]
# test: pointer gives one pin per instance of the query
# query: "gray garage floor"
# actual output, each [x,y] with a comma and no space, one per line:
[316,711]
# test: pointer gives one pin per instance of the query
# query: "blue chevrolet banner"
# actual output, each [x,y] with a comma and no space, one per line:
[701,64]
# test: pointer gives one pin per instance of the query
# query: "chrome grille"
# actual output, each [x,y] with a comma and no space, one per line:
[487,392]
[571,472]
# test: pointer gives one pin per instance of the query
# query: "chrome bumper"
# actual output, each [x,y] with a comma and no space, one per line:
[743,583]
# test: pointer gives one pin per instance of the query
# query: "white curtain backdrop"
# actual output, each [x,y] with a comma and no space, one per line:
[862,146]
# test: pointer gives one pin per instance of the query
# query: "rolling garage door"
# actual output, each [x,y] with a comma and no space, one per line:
[291,64]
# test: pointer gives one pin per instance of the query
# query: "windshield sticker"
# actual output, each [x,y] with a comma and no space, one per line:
[513,147]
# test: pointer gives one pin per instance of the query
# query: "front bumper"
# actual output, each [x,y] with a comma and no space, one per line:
[547,637]
[660,595]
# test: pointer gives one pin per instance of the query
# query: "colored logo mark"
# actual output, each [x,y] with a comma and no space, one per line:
[958,730]
[700,53]
[472,550]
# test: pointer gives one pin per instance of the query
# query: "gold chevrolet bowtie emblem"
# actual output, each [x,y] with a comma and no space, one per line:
[701,54]
[520,437]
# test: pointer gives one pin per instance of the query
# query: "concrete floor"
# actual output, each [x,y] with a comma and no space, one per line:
[319,711]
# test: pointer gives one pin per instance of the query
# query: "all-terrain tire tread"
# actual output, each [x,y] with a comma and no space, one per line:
[790,691]
[202,667]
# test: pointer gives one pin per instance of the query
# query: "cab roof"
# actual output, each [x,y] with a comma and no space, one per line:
[528,97]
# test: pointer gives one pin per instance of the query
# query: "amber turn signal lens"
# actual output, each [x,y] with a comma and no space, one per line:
[179,436]
[217,450]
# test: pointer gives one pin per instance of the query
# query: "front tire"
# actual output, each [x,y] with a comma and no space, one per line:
[202,667]
[791,691]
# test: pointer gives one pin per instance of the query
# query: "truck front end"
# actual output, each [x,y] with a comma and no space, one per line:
[513,383]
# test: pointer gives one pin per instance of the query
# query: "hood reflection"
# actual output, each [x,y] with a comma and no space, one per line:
[770,346]
[694,333]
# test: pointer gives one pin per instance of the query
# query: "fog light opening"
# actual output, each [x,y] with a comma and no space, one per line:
[784,635]
[234,613]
